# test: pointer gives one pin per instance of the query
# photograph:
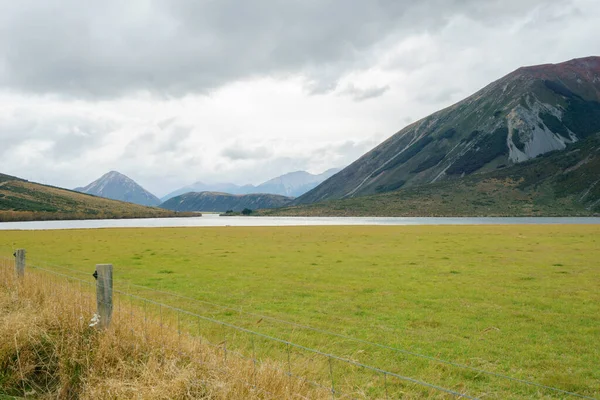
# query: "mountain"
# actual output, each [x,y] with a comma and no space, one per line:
[291,184]
[557,183]
[21,200]
[221,202]
[221,187]
[294,183]
[531,111]
[117,186]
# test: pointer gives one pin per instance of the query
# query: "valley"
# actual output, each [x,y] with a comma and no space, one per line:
[300,200]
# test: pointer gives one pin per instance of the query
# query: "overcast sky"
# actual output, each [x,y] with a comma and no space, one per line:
[172,92]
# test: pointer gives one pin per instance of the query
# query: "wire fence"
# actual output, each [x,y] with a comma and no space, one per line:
[357,369]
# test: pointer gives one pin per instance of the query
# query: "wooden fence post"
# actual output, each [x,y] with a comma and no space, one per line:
[20,262]
[104,291]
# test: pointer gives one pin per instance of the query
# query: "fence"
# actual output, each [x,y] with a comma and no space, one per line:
[237,337]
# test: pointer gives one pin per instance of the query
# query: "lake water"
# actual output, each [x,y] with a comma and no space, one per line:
[216,220]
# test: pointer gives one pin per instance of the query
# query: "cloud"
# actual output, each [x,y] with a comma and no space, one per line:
[359,94]
[437,94]
[65,135]
[174,48]
[172,92]
[239,152]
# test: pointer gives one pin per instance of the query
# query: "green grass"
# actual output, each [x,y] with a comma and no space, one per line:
[516,300]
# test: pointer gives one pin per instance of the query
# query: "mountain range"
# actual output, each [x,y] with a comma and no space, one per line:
[292,184]
[275,192]
[530,112]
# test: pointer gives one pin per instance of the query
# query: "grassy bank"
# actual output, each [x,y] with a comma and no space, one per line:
[48,350]
[522,301]
[21,200]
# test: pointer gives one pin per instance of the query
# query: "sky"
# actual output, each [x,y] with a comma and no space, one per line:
[173,92]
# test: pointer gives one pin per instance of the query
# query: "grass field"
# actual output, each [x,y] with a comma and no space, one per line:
[517,300]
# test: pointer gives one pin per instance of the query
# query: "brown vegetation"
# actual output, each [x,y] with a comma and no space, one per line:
[48,350]
[26,201]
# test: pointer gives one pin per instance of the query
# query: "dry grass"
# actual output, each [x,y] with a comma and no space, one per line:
[28,201]
[48,350]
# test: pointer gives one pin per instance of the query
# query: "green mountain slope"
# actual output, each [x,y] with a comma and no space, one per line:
[559,183]
[221,202]
[21,200]
[532,111]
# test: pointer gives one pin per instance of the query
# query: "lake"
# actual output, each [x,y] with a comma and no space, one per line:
[216,220]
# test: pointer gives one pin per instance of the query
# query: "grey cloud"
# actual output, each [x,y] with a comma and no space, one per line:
[434,95]
[176,138]
[170,139]
[171,48]
[344,153]
[359,94]
[164,124]
[237,152]
[70,136]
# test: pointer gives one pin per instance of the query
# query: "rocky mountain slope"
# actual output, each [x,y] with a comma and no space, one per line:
[291,184]
[531,111]
[221,202]
[557,183]
[21,200]
[116,186]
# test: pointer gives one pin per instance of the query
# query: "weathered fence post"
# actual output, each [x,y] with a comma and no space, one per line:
[20,262]
[104,291]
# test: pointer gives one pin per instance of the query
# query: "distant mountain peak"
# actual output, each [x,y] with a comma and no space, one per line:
[117,186]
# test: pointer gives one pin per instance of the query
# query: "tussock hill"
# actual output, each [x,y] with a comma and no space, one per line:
[221,202]
[559,183]
[21,200]
[532,111]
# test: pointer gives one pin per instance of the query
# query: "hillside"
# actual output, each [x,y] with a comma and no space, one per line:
[21,200]
[532,111]
[559,183]
[221,202]
[292,184]
[116,186]
[197,187]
